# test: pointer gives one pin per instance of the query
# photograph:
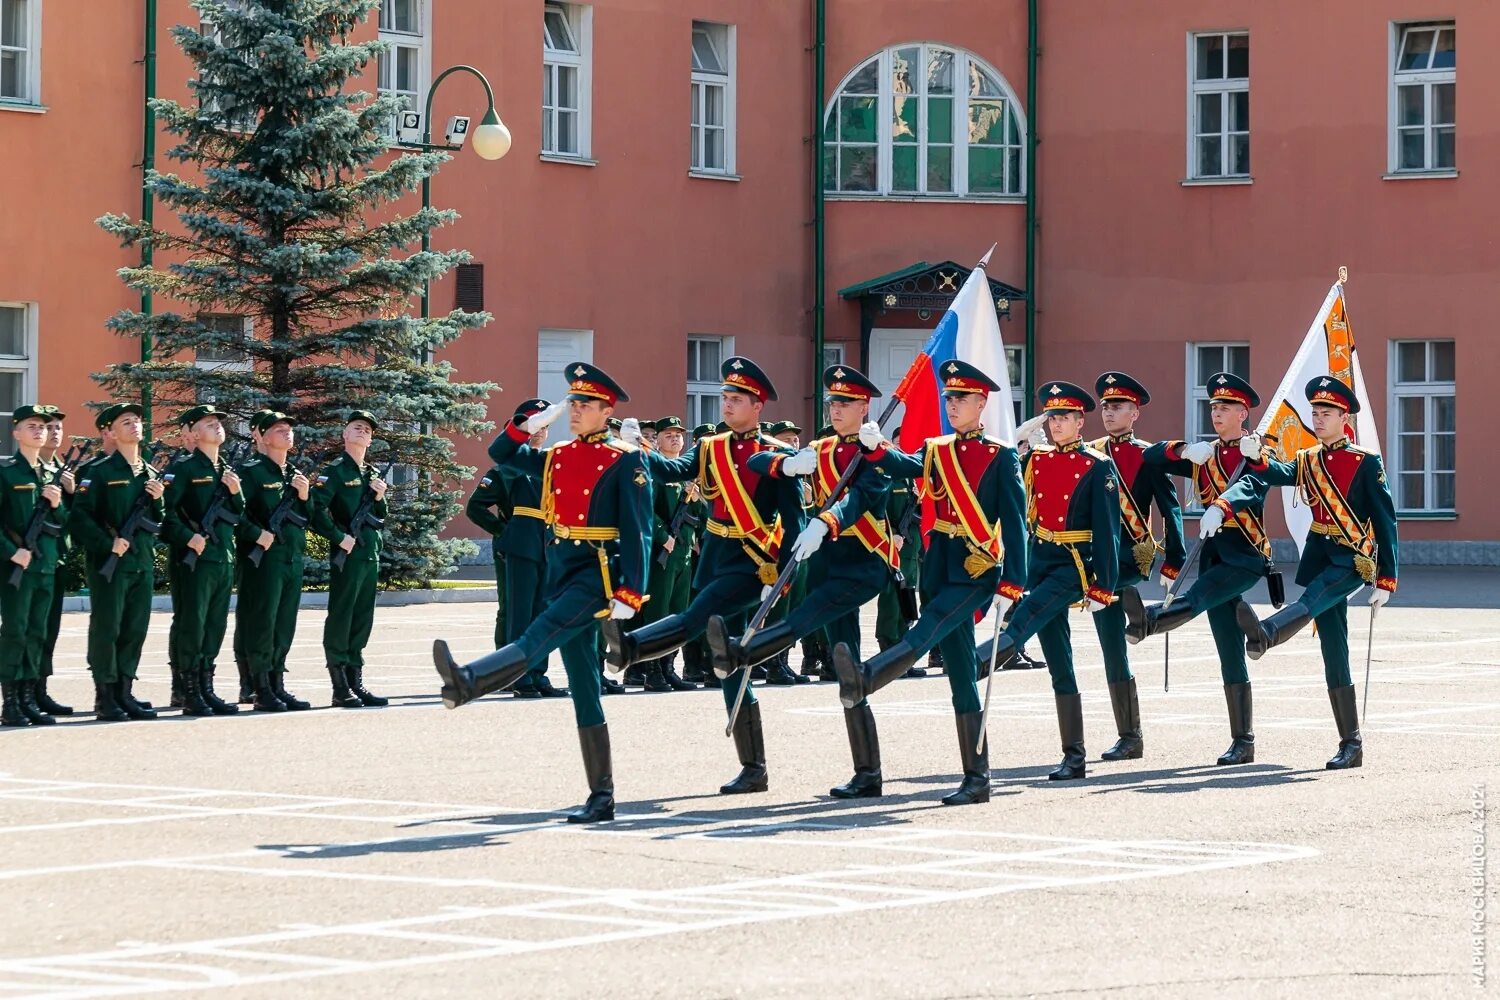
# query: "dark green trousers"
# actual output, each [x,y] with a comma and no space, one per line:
[1326,599]
[502,634]
[270,595]
[119,617]
[521,589]
[1215,593]
[1043,612]
[351,611]
[23,623]
[1109,625]
[947,624]
[200,612]
[54,624]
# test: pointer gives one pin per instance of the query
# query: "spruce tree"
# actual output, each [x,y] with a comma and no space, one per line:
[287,217]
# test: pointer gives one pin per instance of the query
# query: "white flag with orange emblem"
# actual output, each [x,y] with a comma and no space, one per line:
[1328,349]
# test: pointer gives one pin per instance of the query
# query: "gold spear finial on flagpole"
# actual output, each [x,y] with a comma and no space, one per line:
[1343,274]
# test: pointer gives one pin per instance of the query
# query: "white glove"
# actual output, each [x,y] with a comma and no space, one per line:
[630,431]
[1095,606]
[811,537]
[1379,598]
[1250,447]
[804,463]
[539,421]
[1198,452]
[620,611]
[1213,520]
[1165,581]
[870,435]
[1002,605]
[765,591]
[1032,430]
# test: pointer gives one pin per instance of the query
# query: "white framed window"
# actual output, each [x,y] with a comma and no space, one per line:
[1015,370]
[1424,61]
[566,79]
[18,350]
[240,119]
[925,120]
[405,68]
[1422,467]
[712,123]
[1218,105]
[833,354]
[704,356]
[20,51]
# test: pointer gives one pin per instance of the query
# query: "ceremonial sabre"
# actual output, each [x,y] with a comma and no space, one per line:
[989,678]
[783,581]
[1364,708]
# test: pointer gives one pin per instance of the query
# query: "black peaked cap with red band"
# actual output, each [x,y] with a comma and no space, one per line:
[743,375]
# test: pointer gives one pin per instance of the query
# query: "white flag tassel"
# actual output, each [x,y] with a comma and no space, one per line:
[1327,349]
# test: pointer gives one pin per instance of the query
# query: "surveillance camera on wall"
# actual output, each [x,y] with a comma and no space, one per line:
[409,127]
[458,130]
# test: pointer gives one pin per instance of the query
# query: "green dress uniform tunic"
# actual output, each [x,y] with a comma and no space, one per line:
[119,608]
[336,492]
[24,608]
[200,610]
[270,593]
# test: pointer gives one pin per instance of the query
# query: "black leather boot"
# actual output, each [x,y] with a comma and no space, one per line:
[46,702]
[176,700]
[692,662]
[526,688]
[1004,657]
[635,676]
[669,672]
[11,714]
[765,647]
[813,660]
[247,682]
[1262,636]
[356,677]
[1160,619]
[975,787]
[751,747]
[206,692]
[656,681]
[1070,728]
[126,700]
[864,748]
[1241,727]
[935,660]
[1135,614]
[1025,662]
[625,649]
[608,685]
[1130,745]
[546,690]
[26,698]
[857,681]
[265,699]
[495,672]
[600,806]
[291,701]
[342,696]
[192,696]
[106,707]
[1346,715]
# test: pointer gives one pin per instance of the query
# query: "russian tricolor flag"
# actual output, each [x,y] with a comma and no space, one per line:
[969,331]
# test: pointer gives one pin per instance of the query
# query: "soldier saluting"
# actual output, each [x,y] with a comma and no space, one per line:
[1351,543]
[338,492]
[596,501]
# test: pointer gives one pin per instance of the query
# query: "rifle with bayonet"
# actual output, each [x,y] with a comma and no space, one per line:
[364,517]
[283,515]
[138,520]
[39,526]
[217,512]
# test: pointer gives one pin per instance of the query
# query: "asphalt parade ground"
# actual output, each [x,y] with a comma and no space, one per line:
[417,852]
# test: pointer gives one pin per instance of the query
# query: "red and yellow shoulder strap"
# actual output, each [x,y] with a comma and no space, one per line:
[873,533]
[1212,482]
[942,454]
[730,488]
[1317,486]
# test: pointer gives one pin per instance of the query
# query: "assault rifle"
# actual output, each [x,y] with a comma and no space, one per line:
[281,516]
[39,526]
[364,517]
[217,512]
[138,520]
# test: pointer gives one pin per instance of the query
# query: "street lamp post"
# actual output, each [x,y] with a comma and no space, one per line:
[491,141]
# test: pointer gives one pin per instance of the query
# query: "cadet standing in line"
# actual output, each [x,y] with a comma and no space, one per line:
[111,491]
[271,592]
[1233,560]
[596,498]
[672,504]
[24,486]
[977,550]
[200,609]
[52,460]
[241,631]
[1352,543]
[338,491]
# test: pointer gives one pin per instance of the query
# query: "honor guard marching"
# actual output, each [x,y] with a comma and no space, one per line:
[1141,486]
[32,518]
[1352,543]
[348,507]
[117,515]
[742,552]
[977,549]
[851,542]
[675,517]
[596,499]
[508,504]
[272,546]
[1073,511]
[203,503]
[1232,562]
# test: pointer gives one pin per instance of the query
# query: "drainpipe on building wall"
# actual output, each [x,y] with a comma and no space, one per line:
[1031,184]
[820,26]
[148,201]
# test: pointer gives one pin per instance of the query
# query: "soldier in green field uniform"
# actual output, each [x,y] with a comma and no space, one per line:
[271,592]
[24,608]
[200,609]
[52,460]
[241,630]
[672,552]
[337,491]
[110,490]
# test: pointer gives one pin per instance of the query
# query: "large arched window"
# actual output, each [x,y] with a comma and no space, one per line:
[925,119]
